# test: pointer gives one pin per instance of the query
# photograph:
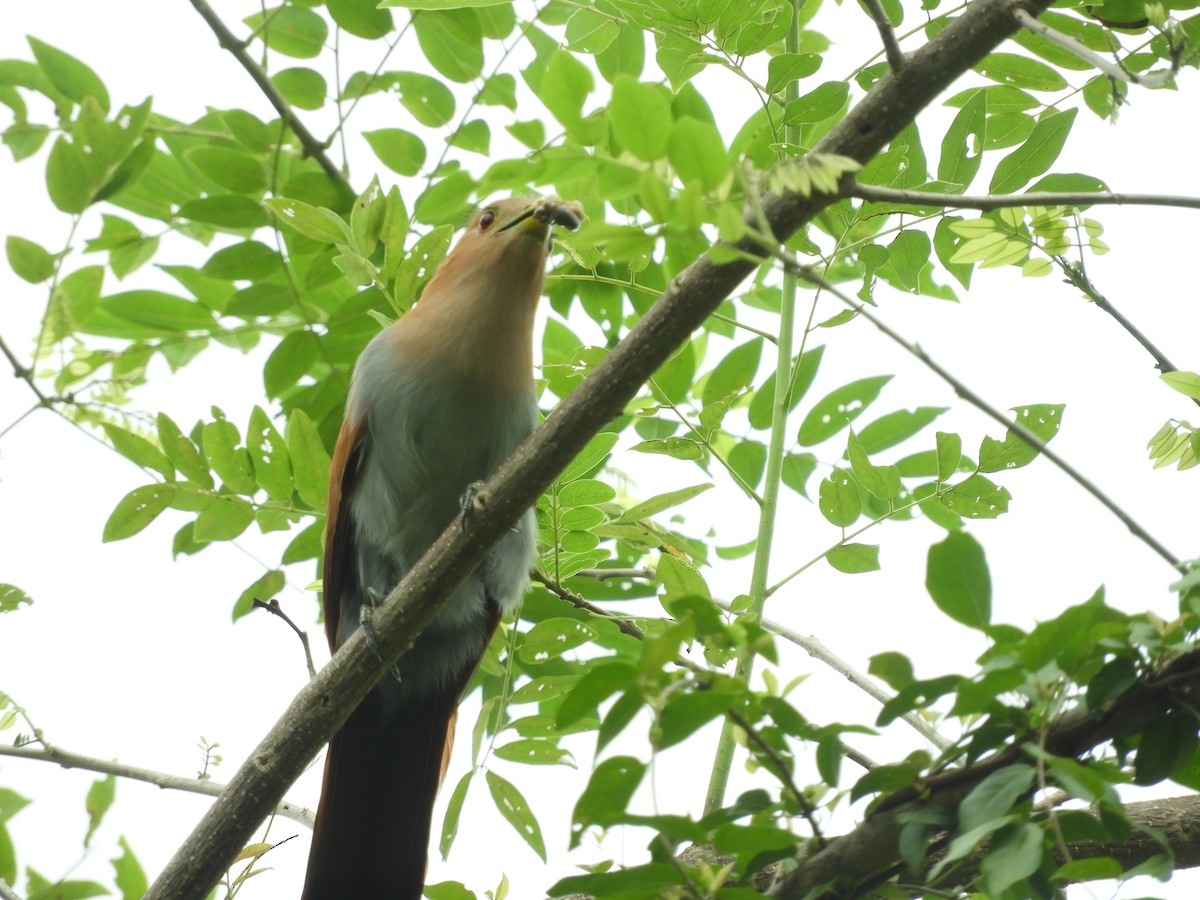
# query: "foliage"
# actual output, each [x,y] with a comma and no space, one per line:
[276,250]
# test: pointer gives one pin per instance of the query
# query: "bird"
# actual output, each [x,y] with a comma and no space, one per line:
[437,401]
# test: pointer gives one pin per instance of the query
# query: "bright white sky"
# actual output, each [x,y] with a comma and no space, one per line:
[126,654]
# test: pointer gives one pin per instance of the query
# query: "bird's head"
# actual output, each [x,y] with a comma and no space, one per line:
[520,219]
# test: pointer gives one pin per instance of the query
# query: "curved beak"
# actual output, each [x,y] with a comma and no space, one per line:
[546,212]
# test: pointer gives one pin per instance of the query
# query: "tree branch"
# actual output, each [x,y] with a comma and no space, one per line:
[323,704]
[874,845]
[308,141]
[1111,69]
[68,760]
[1014,426]
[887,34]
[875,193]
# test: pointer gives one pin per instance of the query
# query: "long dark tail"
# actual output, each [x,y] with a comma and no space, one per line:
[382,774]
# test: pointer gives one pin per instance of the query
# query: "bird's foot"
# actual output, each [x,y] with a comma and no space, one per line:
[467,503]
[365,613]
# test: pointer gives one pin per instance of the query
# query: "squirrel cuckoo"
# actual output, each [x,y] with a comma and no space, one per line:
[438,400]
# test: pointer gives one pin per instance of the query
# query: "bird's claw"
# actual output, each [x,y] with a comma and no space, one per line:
[467,503]
[365,613]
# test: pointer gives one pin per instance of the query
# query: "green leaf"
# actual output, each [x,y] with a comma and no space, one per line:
[399,150]
[136,510]
[128,875]
[516,811]
[551,638]
[138,450]
[976,498]
[896,427]
[310,461]
[247,261]
[1015,853]
[881,481]
[535,752]
[474,136]
[182,453]
[290,30]
[1021,72]
[606,796]
[268,452]
[452,41]
[1036,155]
[734,372]
[854,558]
[28,260]
[590,31]
[231,169]
[589,457]
[226,458]
[264,588]
[640,115]
[564,86]
[839,408]
[908,255]
[1167,743]
[223,520]
[302,87]
[957,578]
[697,153]
[69,75]
[12,598]
[686,712]
[311,221]
[1187,383]
[66,177]
[226,211]
[817,105]
[430,102]
[442,4]
[100,798]
[600,681]
[962,147]
[162,312]
[1043,420]
[838,499]
[454,813]
[949,454]
[447,201]
[662,502]
[680,579]
[362,18]
[788,67]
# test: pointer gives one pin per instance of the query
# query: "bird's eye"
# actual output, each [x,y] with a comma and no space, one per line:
[486,220]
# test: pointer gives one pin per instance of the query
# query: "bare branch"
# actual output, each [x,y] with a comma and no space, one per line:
[891,46]
[308,141]
[810,275]
[1068,43]
[68,760]
[7,893]
[25,374]
[275,609]
[878,194]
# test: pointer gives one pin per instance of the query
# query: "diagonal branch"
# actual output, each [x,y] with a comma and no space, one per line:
[1014,426]
[887,34]
[308,141]
[874,845]
[68,760]
[876,193]
[323,704]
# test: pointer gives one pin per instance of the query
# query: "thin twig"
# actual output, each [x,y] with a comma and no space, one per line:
[626,626]
[6,892]
[272,606]
[783,774]
[1068,43]
[891,46]
[979,403]
[1079,278]
[879,194]
[308,141]
[643,574]
[68,760]
[24,373]
[818,651]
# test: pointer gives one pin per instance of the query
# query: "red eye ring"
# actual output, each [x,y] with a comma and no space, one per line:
[487,220]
